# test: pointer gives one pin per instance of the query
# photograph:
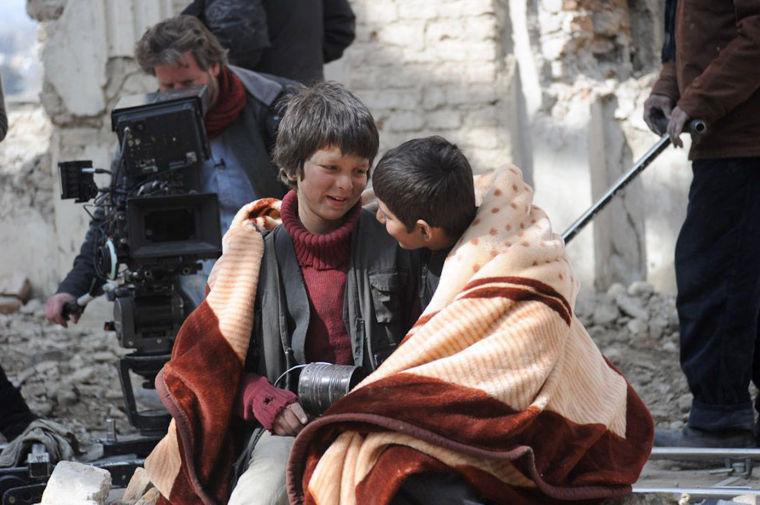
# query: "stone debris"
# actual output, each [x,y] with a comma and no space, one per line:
[149,498]
[16,285]
[138,486]
[9,304]
[73,483]
[71,375]
[636,328]
[67,375]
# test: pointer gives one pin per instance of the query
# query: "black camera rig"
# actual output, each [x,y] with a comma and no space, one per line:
[152,224]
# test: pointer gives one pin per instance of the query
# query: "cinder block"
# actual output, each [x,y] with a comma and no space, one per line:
[73,483]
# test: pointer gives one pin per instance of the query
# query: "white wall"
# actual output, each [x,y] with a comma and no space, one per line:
[555,86]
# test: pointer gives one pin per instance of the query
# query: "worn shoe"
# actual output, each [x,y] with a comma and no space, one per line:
[692,437]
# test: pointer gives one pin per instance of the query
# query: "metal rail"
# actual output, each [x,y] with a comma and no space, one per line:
[746,455]
[718,492]
[703,454]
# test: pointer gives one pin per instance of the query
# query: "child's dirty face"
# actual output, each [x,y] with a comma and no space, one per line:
[406,239]
[331,185]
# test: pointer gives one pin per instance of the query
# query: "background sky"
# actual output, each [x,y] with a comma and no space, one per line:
[13,13]
[19,51]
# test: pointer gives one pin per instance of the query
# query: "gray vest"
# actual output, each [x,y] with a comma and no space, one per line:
[380,302]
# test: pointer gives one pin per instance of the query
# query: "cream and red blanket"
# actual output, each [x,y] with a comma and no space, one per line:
[498,380]
[193,463]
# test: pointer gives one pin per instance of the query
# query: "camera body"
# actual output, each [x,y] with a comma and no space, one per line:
[153,223]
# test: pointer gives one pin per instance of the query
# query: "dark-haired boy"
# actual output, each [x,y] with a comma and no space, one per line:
[426,199]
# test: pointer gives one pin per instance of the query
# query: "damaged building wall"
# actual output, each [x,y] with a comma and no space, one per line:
[589,65]
[26,201]
[555,86]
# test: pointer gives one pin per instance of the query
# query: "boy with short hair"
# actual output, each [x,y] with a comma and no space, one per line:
[333,286]
[426,199]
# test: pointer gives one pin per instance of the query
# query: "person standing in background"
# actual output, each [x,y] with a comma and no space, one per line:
[15,415]
[286,38]
[711,72]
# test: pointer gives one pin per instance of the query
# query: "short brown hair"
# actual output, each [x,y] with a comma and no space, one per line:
[323,115]
[166,42]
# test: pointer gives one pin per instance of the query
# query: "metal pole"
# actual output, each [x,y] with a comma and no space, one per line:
[640,165]
[726,492]
[702,454]
[695,127]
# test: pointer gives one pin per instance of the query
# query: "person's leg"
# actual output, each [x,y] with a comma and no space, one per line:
[263,483]
[15,416]
[718,278]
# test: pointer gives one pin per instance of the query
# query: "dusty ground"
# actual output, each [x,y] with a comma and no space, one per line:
[71,376]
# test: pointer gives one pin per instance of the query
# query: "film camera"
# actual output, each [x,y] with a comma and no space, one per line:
[153,224]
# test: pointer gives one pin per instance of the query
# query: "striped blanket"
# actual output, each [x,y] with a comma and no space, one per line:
[497,381]
[193,463]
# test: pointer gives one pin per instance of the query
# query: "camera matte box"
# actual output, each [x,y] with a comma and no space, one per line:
[177,226]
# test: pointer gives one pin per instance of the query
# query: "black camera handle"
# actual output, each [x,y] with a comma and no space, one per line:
[76,307]
[695,127]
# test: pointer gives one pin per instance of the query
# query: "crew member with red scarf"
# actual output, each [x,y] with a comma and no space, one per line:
[181,53]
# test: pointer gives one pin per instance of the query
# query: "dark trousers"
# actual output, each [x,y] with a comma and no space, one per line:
[718,276]
[14,414]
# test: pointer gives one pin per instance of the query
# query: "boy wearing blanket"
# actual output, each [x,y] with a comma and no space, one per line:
[326,283]
[497,381]
[333,286]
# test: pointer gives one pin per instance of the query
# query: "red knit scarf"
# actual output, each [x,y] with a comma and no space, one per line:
[230,102]
[324,260]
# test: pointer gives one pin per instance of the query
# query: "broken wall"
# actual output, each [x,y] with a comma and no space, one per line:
[556,86]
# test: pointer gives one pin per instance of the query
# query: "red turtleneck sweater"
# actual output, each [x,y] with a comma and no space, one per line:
[324,260]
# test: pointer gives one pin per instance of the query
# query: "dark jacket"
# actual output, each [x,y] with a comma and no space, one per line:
[251,136]
[715,72]
[380,301]
[288,38]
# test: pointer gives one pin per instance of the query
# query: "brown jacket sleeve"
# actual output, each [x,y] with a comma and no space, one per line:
[666,83]
[732,77]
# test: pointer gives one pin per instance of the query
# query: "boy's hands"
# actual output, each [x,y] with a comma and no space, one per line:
[290,420]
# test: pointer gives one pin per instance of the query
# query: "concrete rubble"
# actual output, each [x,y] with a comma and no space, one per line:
[74,483]
[70,375]
[15,290]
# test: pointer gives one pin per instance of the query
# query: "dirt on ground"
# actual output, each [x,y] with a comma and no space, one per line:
[71,375]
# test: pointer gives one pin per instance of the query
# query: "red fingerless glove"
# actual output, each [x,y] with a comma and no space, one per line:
[261,401]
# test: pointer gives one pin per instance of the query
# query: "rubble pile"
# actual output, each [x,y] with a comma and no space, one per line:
[67,375]
[637,330]
[71,376]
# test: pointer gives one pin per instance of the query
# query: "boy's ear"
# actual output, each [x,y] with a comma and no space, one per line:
[426,231]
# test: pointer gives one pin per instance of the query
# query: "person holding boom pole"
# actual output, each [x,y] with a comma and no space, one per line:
[711,71]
